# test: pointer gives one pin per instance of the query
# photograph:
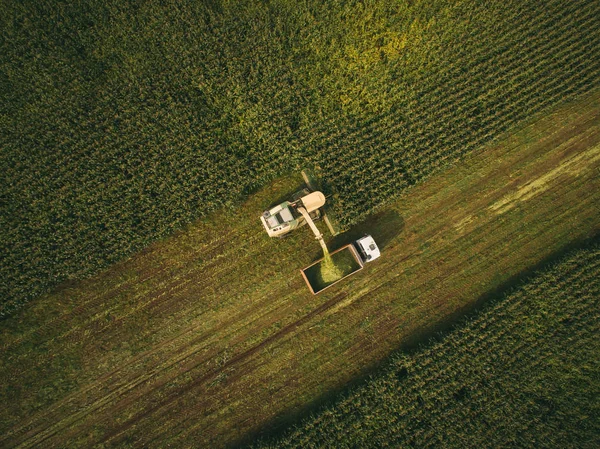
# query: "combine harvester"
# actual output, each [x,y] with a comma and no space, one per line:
[305,207]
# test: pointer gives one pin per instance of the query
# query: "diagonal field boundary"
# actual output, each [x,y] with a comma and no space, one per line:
[211,334]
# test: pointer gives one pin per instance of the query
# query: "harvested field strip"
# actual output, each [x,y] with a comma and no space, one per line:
[520,372]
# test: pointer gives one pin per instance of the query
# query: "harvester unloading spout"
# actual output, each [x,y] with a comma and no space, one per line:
[314,229]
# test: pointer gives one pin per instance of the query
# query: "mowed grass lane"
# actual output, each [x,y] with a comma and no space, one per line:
[211,335]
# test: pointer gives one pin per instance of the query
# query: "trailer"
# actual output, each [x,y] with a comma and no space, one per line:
[348,260]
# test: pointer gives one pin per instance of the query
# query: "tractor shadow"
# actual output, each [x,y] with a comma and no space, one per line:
[384,227]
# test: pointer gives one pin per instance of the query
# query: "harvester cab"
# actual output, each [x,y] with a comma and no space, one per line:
[289,215]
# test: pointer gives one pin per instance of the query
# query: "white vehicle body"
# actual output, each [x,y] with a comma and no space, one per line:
[287,216]
[367,248]
[277,220]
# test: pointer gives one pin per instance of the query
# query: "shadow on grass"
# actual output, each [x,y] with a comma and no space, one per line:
[277,427]
[383,227]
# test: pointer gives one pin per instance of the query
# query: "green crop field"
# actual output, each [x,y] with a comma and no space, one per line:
[142,304]
[521,373]
[122,121]
[211,336]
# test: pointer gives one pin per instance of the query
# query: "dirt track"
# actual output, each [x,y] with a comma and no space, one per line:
[212,334]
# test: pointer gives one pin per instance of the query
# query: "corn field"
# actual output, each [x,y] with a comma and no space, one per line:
[121,122]
[523,372]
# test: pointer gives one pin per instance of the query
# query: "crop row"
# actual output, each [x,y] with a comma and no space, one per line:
[455,122]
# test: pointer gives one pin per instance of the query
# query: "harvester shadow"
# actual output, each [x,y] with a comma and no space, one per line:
[384,227]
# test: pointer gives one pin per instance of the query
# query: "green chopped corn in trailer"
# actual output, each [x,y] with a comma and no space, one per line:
[346,259]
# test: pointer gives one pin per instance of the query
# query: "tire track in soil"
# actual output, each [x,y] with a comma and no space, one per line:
[214,373]
[119,390]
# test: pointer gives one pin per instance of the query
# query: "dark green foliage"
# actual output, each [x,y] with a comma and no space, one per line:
[122,121]
[522,373]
